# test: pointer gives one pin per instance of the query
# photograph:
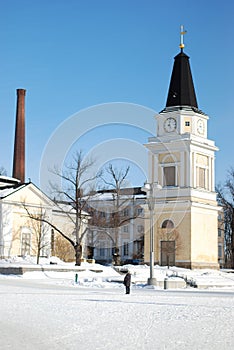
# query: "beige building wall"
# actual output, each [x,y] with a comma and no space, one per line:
[204,237]
[195,234]
[181,234]
[16,224]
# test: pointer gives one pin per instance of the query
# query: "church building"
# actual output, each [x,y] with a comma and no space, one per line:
[181,177]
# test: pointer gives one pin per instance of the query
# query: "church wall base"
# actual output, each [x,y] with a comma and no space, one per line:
[198,265]
[191,265]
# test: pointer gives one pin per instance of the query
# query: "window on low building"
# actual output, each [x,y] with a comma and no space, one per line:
[125,249]
[25,242]
[52,241]
[126,212]
[140,228]
[125,228]
[220,251]
[102,249]
[139,211]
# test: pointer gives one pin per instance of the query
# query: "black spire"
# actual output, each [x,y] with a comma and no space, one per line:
[181,91]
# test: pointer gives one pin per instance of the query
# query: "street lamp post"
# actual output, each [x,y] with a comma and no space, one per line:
[149,189]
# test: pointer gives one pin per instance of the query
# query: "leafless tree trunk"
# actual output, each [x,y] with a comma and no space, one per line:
[77,185]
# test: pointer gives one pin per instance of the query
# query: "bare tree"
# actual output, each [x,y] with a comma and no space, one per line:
[77,185]
[225,197]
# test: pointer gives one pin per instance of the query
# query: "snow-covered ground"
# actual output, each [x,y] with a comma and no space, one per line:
[49,310]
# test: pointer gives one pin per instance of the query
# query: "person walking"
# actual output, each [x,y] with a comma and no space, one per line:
[127,282]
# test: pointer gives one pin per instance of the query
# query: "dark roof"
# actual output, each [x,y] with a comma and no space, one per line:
[181,90]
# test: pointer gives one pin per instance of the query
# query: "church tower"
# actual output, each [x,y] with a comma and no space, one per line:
[182,162]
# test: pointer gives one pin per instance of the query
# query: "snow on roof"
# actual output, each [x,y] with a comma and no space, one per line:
[109,196]
[8,191]
[8,178]
[8,181]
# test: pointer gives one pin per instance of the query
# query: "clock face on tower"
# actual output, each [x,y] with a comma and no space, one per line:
[170,124]
[200,126]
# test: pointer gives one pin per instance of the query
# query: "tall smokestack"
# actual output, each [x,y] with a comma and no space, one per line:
[19,148]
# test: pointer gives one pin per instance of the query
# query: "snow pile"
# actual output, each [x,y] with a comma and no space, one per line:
[96,275]
[31,260]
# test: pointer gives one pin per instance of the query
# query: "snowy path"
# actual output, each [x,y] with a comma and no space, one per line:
[36,315]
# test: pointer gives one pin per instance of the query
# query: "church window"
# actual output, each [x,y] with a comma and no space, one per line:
[169,176]
[167,224]
[201,177]
[187,123]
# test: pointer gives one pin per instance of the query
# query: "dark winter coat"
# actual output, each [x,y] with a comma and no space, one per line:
[127,280]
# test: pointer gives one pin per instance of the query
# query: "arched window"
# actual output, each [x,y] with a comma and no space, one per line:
[167,224]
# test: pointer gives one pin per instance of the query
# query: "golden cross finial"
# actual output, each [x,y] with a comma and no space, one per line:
[182,33]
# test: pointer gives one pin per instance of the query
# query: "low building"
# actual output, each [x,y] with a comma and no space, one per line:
[116,228]
[21,235]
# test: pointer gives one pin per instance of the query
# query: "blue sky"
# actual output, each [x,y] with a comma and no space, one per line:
[70,55]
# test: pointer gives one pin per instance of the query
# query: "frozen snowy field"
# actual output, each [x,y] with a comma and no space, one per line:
[37,315]
[53,312]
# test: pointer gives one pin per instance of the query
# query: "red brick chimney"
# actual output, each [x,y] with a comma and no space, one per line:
[19,148]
